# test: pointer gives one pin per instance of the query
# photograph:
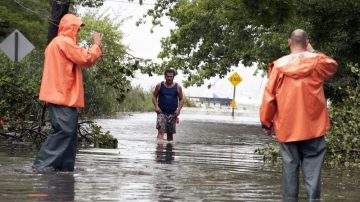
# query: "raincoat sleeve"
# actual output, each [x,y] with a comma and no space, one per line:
[268,105]
[326,66]
[78,55]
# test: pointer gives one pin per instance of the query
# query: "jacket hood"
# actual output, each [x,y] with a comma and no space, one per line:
[69,25]
[297,65]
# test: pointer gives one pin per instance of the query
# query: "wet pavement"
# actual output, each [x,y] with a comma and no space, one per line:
[211,159]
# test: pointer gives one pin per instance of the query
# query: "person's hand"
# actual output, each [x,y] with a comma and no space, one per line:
[267,131]
[177,112]
[310,48]
[158,110]
[97,38]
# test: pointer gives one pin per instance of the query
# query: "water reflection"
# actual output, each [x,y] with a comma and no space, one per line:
[164,153]
[54,187]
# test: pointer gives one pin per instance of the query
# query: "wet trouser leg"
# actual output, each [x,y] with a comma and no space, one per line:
[290,178]
[310,154]
[313,155]
[59,149]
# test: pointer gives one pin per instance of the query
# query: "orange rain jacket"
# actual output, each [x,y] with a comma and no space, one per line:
[62,80]
[294,99]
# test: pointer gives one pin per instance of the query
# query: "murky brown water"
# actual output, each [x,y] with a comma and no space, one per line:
[211,159]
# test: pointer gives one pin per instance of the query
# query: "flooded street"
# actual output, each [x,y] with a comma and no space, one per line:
[211,159]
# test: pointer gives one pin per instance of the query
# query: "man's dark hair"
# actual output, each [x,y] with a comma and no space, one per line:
[170,70]
[298,37]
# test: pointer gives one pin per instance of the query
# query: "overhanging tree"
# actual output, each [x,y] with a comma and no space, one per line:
[211,36]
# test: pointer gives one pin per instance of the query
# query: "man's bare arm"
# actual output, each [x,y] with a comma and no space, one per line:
[154,98]
[181,100]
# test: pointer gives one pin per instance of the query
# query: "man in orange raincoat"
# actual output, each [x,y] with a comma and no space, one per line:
[62,90]
[295,108]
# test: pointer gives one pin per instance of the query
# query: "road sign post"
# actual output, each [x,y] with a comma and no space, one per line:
[16,47]
[235,79]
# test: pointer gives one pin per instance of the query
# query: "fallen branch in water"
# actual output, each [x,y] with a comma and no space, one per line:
[89,134]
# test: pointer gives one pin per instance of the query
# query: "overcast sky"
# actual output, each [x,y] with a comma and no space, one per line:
[147,45]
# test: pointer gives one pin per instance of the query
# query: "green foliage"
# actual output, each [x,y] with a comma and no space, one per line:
[106,82]
[101,139]
[271,152]
[19,85]
[334,28]
[188,102]
[137,100]
[344,138]
[26,16]
[211,36]
[91,3]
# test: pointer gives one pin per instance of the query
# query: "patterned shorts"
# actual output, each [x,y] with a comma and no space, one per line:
[167,122]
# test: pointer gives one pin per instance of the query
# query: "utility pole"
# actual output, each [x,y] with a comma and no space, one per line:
[58,9]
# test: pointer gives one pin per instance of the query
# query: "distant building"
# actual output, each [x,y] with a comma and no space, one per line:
[208,101]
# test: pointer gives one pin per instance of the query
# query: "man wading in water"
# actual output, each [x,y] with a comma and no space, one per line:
[63,91]
[294,105]
[168,101]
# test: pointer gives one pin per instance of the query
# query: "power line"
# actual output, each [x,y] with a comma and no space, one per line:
[32,11]
[28,9]
[131,2]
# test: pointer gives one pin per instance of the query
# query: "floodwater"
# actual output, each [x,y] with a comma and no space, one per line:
[211,159]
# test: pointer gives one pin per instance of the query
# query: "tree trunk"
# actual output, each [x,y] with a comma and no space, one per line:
[58,9]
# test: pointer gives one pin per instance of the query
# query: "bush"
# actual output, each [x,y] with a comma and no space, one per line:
[188,102]
[343,139]
[271,152]
[137,100]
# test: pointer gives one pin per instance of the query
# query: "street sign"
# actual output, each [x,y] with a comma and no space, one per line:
[235,79]
[233,104]
[16,46]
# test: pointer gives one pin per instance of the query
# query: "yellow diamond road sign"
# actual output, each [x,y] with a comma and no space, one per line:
[235,79]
